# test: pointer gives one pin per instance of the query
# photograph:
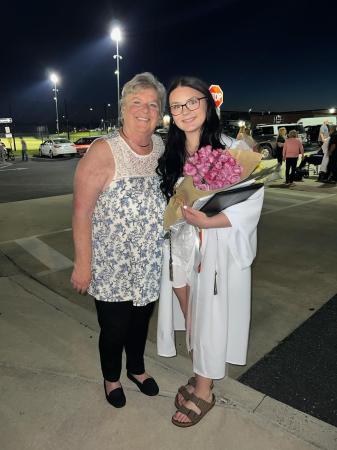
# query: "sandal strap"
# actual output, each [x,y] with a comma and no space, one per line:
[192,381]
[192,415]
[184,392]
[202,404]
[199,403]
[183,389]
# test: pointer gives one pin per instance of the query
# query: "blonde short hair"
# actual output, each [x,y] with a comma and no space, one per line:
[142,81]
[292,134]
[282,130]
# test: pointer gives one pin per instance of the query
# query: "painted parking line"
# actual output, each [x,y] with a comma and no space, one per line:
[17,168]
[47,255]
[273,201]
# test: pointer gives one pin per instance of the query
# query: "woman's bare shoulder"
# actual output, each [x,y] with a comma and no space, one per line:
[97,160]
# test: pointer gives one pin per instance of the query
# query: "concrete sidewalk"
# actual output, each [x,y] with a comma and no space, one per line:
[52,394]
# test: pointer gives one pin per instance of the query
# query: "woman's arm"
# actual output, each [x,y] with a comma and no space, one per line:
[284,150]
[92,175]
[280,144]
[199,219]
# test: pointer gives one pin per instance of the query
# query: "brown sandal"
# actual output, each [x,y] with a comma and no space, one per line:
[184,391]
[192,415]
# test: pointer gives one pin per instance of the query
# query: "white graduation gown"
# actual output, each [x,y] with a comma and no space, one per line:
[219,323]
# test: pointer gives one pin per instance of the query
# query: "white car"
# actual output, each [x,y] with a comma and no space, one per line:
[57,146]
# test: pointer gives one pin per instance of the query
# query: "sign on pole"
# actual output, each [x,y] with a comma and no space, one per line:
[6,120]
[217,94]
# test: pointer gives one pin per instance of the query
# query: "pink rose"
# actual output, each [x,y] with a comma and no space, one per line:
[189,169]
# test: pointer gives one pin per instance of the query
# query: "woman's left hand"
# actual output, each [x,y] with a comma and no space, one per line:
[195,217]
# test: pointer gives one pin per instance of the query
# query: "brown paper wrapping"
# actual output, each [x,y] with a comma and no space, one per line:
[187,194]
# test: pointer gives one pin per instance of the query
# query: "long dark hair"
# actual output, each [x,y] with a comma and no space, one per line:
[171,164]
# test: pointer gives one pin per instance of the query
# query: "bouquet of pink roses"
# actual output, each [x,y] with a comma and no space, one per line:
[212,168]
[208,172]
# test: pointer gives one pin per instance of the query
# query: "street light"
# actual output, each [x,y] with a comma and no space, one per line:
[55,79]
[116,35]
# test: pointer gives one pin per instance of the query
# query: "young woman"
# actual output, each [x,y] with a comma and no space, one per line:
[281,138]
[214,298]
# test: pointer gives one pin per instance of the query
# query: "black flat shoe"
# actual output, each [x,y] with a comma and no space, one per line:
[116,397]
[148,387]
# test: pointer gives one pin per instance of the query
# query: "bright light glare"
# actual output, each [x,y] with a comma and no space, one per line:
[116,34]
[166,120]
[241,123]
[54,78]
[332,110]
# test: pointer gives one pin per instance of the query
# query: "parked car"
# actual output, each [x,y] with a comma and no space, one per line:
[57,146]
[266,135]
[312,133]
[82,144]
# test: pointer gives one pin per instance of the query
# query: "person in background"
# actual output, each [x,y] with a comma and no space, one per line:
[323,133]
[332,165]
[245,135]
[292,148]
[323,170]
[281,138]
[241,132]
[24,149]
[3,152]
[118,234]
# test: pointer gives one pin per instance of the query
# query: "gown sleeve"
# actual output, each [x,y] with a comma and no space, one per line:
[244,218]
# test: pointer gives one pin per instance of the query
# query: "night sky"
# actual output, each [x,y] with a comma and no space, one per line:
[266,55]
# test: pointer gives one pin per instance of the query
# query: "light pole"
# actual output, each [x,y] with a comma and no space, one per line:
[116,35]
[55,79]
[90,123]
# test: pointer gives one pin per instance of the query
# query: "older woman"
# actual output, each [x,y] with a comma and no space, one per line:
[292,148]
[117,228]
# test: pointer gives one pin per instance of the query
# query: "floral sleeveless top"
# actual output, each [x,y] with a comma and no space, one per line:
[127,228]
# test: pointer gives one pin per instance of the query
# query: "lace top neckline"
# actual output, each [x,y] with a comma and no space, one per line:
[130,149]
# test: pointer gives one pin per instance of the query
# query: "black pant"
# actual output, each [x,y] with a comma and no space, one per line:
[332,166]
[122,326]
[279,154]
[291,164]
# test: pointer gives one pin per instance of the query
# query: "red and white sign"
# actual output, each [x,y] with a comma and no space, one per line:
[217,94]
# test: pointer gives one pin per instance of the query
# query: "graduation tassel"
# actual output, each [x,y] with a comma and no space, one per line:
[170,260]
[200,244]
[215,292]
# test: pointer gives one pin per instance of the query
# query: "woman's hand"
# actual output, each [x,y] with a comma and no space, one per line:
[194,217]
[80,278]
[200,220]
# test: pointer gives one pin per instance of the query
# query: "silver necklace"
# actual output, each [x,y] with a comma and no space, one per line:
[134,143]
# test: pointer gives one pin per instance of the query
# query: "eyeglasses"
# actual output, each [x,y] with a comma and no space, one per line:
[192,104]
